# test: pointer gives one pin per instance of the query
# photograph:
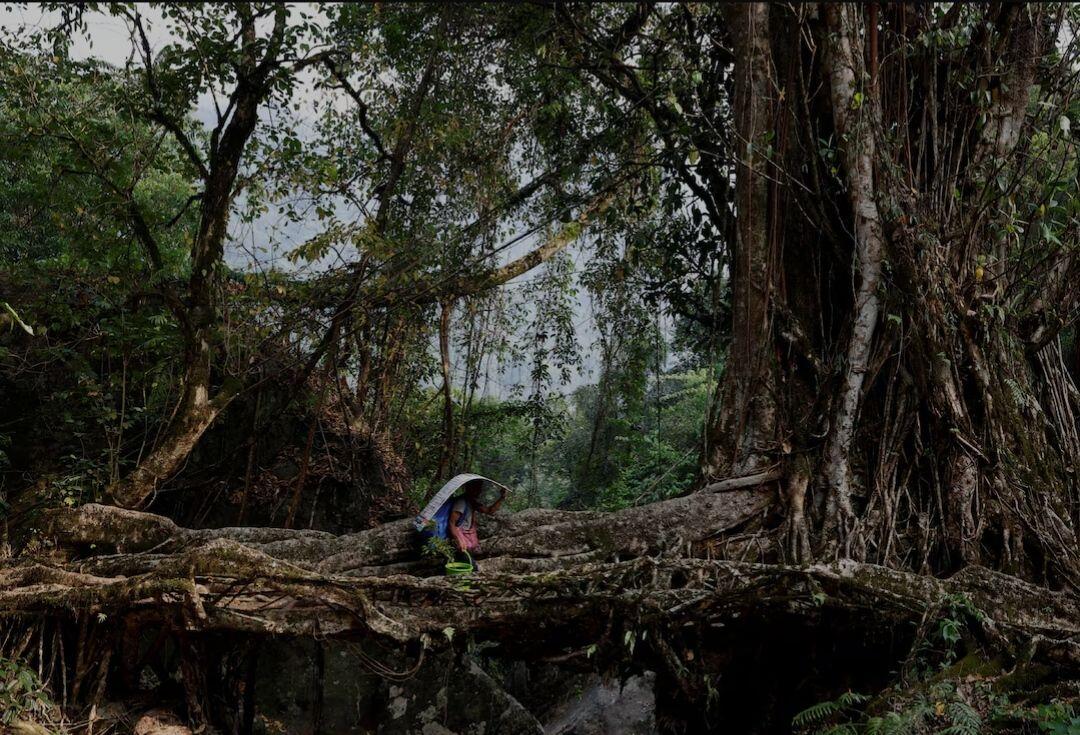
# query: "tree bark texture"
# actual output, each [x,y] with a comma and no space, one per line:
[642,566]
[742,437]
[906,352]
[852,106]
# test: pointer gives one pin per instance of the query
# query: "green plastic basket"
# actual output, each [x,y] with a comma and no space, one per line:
[459,568]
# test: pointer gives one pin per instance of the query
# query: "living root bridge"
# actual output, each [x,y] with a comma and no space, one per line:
[533,540]
[274,581]
[224,585]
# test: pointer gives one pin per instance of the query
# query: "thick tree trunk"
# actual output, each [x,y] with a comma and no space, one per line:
[198,411]
[741,437]
[199,316]
[907,425]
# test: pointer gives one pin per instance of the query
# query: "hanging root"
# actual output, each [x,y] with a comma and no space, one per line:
[797,534]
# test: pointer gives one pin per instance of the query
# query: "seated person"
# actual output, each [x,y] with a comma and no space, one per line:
[463,516]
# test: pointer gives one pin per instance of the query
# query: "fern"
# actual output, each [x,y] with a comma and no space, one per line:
[897,723]
[844,729]
[962,717]
[1022,399]
[850,699]
[919,712]
[815,714]
[965,720]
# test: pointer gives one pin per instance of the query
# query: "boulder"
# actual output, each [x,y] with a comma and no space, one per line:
[608,708]
[160,722]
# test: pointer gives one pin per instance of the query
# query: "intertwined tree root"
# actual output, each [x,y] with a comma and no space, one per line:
[544,573]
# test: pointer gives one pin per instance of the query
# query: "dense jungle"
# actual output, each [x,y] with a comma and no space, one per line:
[761,317]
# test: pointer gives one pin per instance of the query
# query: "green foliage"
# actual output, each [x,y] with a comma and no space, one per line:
[63,118]
[958,613]
[965,720]
[93,390]
[22,695]
[938,707]
[1057,718]
[897,723]
[439,548]
[539,447]
[639,445]
[100,372]
[652,470]
[817,715]
[931,703]
[402,154]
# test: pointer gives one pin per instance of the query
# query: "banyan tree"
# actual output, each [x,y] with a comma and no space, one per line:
[885,197]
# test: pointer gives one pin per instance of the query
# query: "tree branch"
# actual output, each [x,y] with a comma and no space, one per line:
[361,106]
[158,114]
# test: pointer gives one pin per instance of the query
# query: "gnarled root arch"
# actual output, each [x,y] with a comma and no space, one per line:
[644,587]
[651,561]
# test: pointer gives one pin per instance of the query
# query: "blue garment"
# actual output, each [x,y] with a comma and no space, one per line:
[439,524]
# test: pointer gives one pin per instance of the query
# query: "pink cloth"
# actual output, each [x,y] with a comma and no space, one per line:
[466,532]
[472,541]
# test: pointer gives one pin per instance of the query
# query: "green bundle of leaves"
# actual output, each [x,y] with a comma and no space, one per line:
[22,695]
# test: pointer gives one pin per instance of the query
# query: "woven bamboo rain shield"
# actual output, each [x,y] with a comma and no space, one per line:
[440,497]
